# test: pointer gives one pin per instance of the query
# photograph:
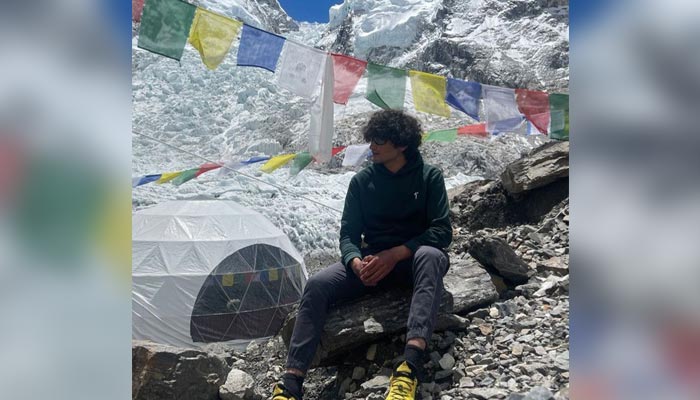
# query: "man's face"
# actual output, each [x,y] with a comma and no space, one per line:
[384,151]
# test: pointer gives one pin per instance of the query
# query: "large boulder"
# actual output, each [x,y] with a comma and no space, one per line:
[487,204]
[468,285]
[166,372]
[370,318]
[480,204]
[529,188]
[497,256]
[544,165]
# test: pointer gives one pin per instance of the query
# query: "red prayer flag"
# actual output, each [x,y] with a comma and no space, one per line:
[534,104]
[206,167]
[474,130]
[136,10]
[337,150]
[347,71]
[249,277]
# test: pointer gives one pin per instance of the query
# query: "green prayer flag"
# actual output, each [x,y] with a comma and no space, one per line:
[165,27]
[445,135]
[386,86]
[300,162]
[185,176]
[559,115]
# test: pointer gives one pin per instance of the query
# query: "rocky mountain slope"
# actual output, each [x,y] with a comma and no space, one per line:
[519,44]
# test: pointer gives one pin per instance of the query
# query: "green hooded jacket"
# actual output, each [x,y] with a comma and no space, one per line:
[409,207]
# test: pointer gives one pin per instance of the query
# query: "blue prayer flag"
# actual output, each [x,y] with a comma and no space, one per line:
[259,48]
[254,160]
[506,125]
[148,179]
[464,96]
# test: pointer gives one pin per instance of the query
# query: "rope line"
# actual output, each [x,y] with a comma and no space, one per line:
[280,188]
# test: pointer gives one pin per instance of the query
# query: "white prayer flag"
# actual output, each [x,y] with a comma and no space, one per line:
[299,69]
[228,166]
[321,124]
[355,154]
[500,105]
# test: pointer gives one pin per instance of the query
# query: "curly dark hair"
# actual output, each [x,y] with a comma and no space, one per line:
[396,126]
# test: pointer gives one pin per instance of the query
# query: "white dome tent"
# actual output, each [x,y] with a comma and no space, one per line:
[210,271]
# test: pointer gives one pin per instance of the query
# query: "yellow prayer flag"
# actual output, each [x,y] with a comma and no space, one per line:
[212,34]
[429,92]
[227,280]
[273,274]
[276,162]
[168,176]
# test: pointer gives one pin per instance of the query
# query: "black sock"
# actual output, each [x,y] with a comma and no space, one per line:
[414,356]
[293,383]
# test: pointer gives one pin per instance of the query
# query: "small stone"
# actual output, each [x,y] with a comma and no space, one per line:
[539,393]
[239,386]
[371,352]
[379,382]
[428,386]
[440,375]
[487,393]
[447,362]
[466,383]
[372,326]
[344,386]
[485,329]
[488,381]
[358,373]
[517,349]
[493,312]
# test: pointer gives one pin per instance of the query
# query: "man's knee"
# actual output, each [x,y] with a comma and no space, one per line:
[313,285]
[429,256]
[429,253]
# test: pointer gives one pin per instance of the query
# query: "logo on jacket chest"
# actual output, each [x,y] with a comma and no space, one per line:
[415,195]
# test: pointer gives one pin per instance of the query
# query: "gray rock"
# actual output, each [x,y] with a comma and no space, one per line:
[466,383]
[358,373]
[344,386]
[379,382]
[356,323]
[447,362]
[441,375]
[487,393]
[495,254]
[372,326]
[550,284]
[371,318]
[470,286]
[517,349]
[166,372]
[539,393]
[371,352]
[544,165]
[556,265]
[239,386]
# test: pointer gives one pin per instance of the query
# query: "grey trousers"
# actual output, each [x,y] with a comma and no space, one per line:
[424,272]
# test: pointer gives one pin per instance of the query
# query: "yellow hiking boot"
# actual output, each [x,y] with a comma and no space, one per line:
[279,392]
[403,383]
